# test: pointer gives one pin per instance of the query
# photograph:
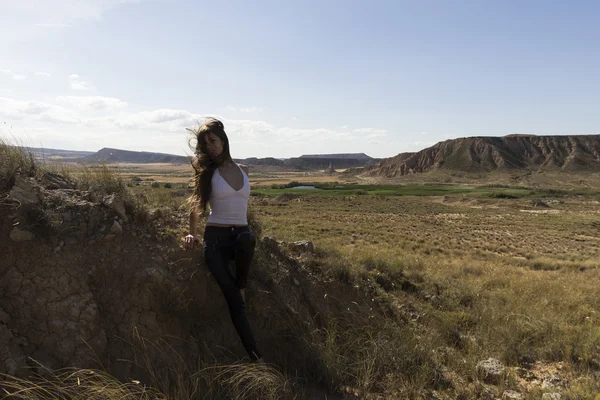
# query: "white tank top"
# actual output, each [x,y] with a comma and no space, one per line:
[228,206]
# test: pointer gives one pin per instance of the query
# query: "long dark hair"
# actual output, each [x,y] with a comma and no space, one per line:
[204,166]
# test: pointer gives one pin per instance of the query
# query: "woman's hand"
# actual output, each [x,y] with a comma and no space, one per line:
[190,241]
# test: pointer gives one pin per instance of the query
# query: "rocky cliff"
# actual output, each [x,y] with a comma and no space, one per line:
[484,154]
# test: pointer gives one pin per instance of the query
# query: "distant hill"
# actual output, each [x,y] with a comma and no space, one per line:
[484,154]
[109,155]
[354,156]
[304,162]
[58,155]
[260,161]
[323,161]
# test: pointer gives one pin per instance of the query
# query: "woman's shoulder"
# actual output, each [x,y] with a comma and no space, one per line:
[244,168]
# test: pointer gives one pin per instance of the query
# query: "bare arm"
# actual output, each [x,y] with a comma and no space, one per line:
[192,239]
[194,221]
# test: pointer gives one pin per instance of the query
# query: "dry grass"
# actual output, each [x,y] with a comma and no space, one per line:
[482,278]
[169,377]
[177,378]
[14,159]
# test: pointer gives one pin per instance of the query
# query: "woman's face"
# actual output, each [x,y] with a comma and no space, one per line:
[214,145]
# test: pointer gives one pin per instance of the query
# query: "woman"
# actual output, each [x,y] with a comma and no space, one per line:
[223,184]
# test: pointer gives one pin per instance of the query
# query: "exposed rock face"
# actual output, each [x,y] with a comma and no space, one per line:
[482,154]
[330,170]
[25,191]
[491,371]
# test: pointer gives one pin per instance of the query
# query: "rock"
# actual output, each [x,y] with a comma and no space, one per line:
[330,170]
[551,396]
[116,204]
[285,197]
[116,228]
[296,282]
[525,373]
[270,242]
[24,191]
[486,392]
[511,395]
[56,181]
[304,245]
[20,235]
[551,382]
[539,204]
[491,371]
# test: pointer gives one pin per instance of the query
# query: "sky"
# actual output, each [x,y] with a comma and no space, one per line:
[295,77]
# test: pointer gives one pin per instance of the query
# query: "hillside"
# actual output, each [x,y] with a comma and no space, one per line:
[109,155]
[354,156]
[91,279]
[270,161]
[305,162]
[337,161]
[485,154]
[56,154]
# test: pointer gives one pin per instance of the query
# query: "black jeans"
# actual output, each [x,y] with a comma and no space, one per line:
[222,245]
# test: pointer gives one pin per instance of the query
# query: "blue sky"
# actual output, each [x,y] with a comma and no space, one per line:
[296,77]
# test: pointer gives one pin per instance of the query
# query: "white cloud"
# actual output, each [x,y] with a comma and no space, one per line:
[250,109]
[31,20]
[422,144]
[77,83]
[15,76]
[97,103]
[376,135]
[371,134]
[106,121]
[18,109]
[247,110]
[46,13]
[251,129]
[372,131]
[52,25]
[44,74]
[161,119]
